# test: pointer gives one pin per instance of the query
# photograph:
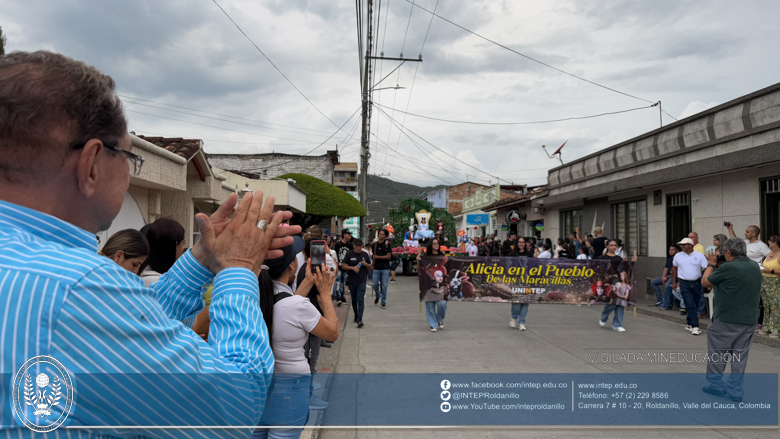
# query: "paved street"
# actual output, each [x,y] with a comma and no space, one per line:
[478,339]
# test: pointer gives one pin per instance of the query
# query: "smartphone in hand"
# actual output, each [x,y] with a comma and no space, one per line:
[317,252]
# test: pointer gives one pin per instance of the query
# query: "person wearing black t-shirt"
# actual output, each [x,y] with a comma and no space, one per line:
[342,247]
[494,246]
[383,251]
[521,249]
[509,245]
[356,264]
[599,243]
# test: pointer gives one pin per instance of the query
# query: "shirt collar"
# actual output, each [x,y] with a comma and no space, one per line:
[280,287]
[45,226]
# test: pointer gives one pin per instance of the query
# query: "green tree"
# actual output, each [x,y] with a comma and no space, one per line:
[2,41]
[323,200]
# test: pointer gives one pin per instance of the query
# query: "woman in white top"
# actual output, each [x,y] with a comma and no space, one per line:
[290,318]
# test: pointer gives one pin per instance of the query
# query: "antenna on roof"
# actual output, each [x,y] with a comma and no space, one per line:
[556,153]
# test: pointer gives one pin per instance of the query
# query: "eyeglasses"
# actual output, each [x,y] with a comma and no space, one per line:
[136,161]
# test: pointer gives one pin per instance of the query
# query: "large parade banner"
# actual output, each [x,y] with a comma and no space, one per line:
[528,280]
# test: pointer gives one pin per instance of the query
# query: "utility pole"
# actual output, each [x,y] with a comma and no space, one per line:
[365,154]
[367,89]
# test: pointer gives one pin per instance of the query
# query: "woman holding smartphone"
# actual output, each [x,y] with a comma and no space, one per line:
[290,318]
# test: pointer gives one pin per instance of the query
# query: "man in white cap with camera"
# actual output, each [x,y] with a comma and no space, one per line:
[686,273]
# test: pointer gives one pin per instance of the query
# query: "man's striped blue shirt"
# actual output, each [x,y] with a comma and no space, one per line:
[58,297]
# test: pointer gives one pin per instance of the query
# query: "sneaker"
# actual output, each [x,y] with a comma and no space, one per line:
[695,331]
[736,398]
[602,324]
[683,312]
[376,300]
[384,306]
[522,327]
[689,328]
[316,386]
[338,303]
[513,323]
[325,344]
[657,303]
[315,403]
[619,329]
[433,329]
[441,325]
[392,280]
[360,324]
[712,391]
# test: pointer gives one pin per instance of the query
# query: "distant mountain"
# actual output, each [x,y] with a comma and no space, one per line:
[389,194]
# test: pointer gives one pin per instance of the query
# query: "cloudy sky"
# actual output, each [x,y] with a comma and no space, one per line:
[184,70]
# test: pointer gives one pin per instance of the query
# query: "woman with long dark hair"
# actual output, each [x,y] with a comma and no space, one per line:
[166,245]
[436,298]
[290,319]
[128,248]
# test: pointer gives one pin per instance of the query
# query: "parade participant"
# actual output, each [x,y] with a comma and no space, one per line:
[128,248]
[436,298]
[686,273]
[509,244]
[422,230]
[618,303]
[382,251]
[357,263]
[599,243]
[65,167]
[166,245]
[494,246]
[519,311]
[738,282]
[342,247]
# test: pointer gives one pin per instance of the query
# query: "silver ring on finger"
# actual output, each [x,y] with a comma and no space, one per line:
[262,224]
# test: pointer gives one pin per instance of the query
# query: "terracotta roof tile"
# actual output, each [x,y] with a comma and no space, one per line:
[186,148]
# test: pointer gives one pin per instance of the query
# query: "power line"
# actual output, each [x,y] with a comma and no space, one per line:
[217,114]
[272,63]
[425,152]
[441,150]
[312,150]
[414,78]
[222,120]
[520,123]
[215,127]
[526,56]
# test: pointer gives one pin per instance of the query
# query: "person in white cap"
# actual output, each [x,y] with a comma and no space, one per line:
[686,273]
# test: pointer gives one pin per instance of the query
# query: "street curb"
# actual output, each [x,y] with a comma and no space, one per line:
[674,316]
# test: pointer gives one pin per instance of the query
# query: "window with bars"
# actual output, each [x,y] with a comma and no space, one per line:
[630,224]
[770,207]
[570,220]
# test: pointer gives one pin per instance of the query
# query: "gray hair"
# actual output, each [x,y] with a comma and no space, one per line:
[49,104]
[736,246]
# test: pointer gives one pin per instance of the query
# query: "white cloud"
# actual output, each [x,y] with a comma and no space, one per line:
[189,54]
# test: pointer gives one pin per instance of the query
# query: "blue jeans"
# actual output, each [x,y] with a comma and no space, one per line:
[656,285]
[519,311]
[435,312]
[617,321]
[287,404]
[358,292]
[341,278]
[692,293]
[380,279]
[670,297]
[394,264]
